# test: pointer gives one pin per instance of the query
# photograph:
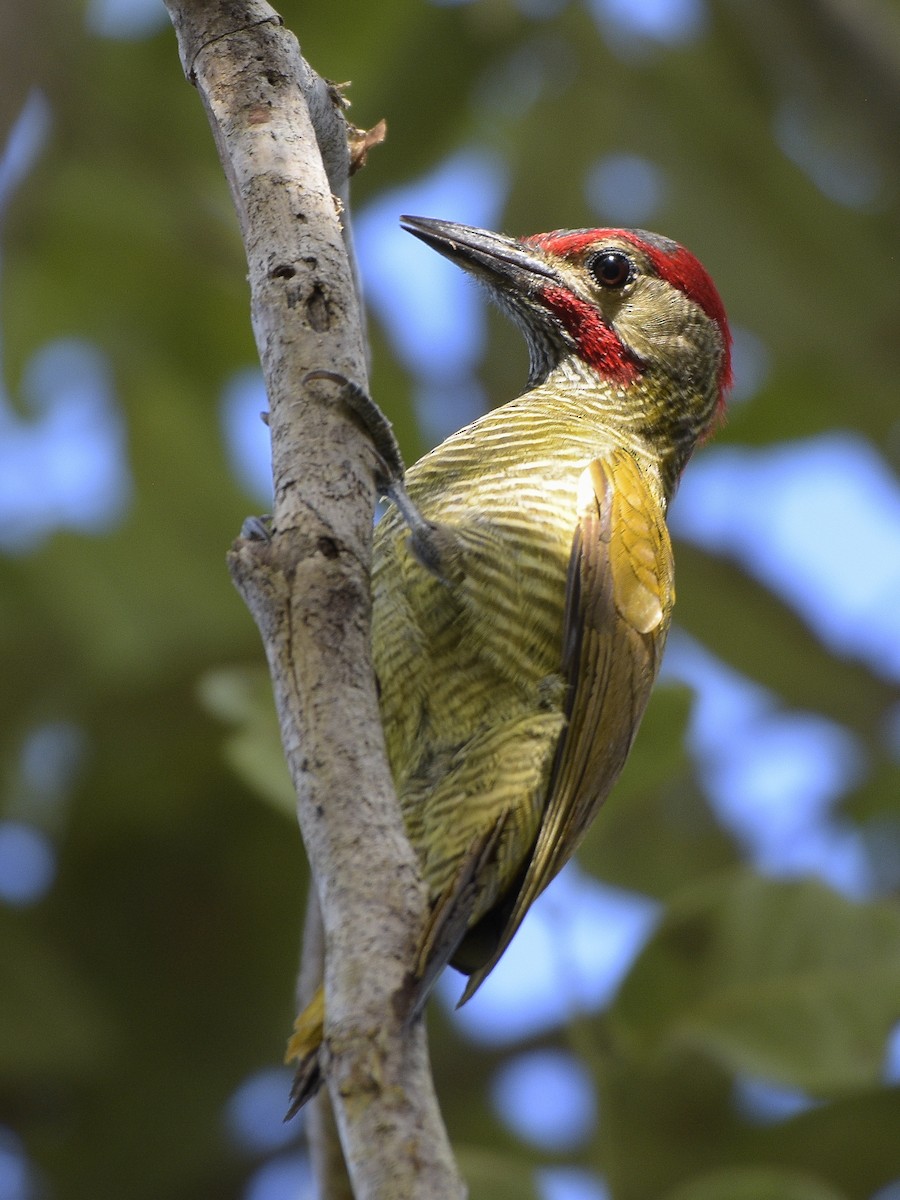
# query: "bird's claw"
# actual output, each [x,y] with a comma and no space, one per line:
[257,529]
[389,460]
[432,545]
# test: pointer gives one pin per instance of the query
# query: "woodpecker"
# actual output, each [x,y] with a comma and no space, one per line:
[523,583]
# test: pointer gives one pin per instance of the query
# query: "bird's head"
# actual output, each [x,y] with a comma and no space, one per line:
[630,306]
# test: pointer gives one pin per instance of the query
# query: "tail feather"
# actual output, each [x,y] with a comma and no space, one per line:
[307,1081]
[303,1048]
[451,916]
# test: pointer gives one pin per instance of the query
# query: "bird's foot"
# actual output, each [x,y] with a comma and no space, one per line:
[389,468]
[439,550]
[257,529]
[434,546]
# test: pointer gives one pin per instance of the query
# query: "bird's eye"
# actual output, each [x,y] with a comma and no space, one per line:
[612,268]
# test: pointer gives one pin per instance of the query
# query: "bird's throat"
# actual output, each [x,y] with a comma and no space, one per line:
[595,341]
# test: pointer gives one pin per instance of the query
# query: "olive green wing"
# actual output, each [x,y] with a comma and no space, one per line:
[619,600]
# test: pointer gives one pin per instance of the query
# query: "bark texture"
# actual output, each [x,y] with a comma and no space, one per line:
[308,587]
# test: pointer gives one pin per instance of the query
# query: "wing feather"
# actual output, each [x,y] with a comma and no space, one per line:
[619,599]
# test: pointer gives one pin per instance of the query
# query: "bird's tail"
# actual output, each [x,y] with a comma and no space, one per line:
[303,1048]
[451,915]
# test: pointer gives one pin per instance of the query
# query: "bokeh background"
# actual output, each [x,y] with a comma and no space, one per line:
[706,1005]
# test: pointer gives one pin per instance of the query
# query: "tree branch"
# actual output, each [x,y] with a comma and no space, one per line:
[308,591]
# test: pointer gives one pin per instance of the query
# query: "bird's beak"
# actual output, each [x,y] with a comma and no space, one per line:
[498,260]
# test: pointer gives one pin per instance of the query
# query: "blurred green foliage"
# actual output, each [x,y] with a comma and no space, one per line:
[157,972]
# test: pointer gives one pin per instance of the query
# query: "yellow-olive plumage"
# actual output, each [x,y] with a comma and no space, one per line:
[518,629]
